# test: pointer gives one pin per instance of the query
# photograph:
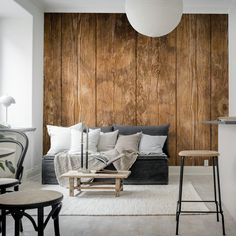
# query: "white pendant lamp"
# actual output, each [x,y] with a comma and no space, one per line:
[154,18]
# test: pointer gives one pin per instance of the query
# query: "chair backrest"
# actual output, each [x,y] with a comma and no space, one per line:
[21,140]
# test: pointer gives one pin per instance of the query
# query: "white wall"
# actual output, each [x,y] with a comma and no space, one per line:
[227,161]
[227,133]
[232,59]
[36,79]
[21,73]
[16,69]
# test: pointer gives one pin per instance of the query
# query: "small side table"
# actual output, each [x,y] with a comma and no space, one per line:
[16,203]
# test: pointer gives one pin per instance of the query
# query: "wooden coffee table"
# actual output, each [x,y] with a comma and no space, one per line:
[75,181]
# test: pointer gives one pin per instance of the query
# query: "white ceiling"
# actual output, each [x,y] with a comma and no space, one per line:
[9,8]
[110,6]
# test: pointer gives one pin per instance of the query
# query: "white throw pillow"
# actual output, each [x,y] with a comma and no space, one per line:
[107,141]
[93,137]
[60,138]
[151,144]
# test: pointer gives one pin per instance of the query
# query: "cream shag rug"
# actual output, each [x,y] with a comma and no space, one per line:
[135,200]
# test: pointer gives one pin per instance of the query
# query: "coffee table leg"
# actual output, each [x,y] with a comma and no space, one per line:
[117,187]
[122,185]
[40,221]
[79,184]
[71,186]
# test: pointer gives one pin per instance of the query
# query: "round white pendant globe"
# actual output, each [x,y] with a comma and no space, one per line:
[154,18]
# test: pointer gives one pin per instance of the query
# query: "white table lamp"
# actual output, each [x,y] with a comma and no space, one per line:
[6,101]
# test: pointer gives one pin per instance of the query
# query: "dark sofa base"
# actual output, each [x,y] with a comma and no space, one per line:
[147,170]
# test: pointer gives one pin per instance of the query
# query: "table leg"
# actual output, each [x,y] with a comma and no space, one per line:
[40,221]
[71,187]
[79,184]
[122,185]
[117,187]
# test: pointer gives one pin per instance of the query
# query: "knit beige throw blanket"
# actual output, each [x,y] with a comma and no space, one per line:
[65,162]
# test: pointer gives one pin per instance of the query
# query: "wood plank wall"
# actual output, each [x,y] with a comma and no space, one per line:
[98,69]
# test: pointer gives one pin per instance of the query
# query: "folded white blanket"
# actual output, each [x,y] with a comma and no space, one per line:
[65,162]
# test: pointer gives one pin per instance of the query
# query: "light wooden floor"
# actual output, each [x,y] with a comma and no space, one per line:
[201,225]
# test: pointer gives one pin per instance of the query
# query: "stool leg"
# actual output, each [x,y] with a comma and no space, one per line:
[55,218]
[17,218]
[56,226]
[219,194]
[215,194]
[0,221]
[40,221]
[179,203]
[21,226]
[3,223]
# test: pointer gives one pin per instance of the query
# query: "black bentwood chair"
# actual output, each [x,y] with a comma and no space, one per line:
[16,139]
[19,142]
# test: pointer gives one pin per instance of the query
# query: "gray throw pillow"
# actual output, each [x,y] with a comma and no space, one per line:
[107,141]
[128,142]
[151,144]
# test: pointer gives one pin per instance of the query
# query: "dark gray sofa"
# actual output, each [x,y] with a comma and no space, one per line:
[148,169]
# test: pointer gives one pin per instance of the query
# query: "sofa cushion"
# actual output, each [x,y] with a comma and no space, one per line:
[93,138]
[161,130]
[128,142]
[60,137]
[151,144]
[104,129]
[107,141]
[48,157]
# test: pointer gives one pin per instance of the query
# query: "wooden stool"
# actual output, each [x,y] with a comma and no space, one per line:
[200,153]
[16,203]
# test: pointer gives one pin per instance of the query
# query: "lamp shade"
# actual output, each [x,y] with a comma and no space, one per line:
[6,101]
[154,18]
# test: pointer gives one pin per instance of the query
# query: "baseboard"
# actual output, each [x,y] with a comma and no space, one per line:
[191,170]
[32,172]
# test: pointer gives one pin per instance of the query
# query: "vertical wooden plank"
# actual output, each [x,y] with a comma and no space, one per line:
[52,74]
[186,84]
[167,90]
[219,72]
[203,74]
[116,73]
[105,69]
[69,68]
[86,109]
[148,73]
[124,71]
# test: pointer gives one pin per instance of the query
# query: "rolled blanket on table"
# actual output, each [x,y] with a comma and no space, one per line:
[65,162]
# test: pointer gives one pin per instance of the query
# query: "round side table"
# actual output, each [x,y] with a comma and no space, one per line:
[16,203]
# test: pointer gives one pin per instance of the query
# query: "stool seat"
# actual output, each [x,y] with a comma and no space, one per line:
[198,153]
[8,182]
[16,203]
[30,199]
